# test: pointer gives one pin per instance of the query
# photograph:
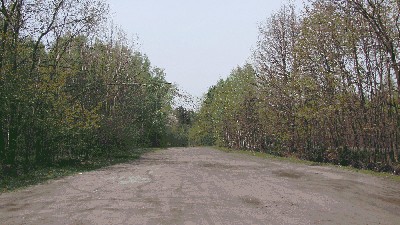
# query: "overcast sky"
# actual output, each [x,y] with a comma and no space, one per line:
[196,42]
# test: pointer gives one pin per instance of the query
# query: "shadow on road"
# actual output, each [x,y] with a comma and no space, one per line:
[64,168]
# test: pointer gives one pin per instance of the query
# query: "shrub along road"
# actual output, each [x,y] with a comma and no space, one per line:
[206,186]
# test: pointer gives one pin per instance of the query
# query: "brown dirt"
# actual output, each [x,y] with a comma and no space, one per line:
[206,186]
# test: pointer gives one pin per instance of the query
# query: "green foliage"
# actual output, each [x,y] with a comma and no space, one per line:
[69,93]
[179,124]
[227,107]
[325,87]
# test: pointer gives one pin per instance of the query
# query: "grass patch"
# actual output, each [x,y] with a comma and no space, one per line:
[370,172]
[269,156]
[310,163]
[67,168]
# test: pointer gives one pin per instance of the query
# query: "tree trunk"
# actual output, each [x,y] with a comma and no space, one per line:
[13,134]
[2,142]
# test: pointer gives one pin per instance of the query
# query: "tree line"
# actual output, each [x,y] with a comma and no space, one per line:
[73,87]
[323,85]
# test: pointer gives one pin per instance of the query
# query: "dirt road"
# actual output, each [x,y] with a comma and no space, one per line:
[206,186]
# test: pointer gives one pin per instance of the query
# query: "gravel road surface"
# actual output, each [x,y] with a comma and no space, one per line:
[207,186]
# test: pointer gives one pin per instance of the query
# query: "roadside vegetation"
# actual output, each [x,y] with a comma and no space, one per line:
[323,85]
[293,159]
[74,91]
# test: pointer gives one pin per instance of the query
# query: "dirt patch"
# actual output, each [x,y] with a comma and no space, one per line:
[251,200]
[11,207]
[288,174]
[133,180]
[391,200]
[217,165]
[157,161]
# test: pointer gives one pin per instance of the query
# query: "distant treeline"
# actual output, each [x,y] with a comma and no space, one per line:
[324,86]
[72,87]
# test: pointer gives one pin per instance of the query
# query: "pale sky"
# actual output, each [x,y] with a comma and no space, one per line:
[196,42]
